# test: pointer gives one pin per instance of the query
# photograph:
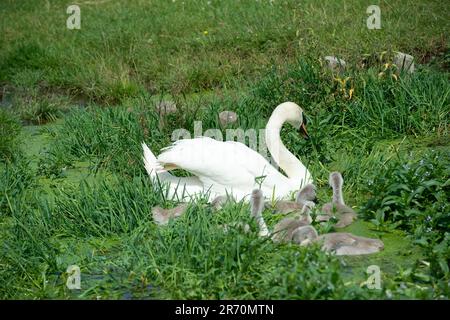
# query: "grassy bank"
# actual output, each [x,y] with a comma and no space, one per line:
[125,48]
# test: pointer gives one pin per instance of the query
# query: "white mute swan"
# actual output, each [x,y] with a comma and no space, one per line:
[231,167]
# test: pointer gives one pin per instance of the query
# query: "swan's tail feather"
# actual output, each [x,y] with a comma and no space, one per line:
[152,166]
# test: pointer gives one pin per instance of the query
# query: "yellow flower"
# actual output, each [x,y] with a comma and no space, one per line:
[205,32]
[350,93]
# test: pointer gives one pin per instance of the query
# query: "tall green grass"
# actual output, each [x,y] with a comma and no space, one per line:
[192,257]
[163,46]
[385,104]
[9,136]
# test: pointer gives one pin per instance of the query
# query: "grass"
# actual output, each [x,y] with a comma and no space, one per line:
[171,53]
[74,191]
[9,135]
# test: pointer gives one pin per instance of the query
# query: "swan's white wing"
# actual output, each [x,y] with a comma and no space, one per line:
[179,187]
[222,165]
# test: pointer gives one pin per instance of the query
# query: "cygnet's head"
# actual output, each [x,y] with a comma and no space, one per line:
[307,193]
[336,179]
[304,235]
[160,215]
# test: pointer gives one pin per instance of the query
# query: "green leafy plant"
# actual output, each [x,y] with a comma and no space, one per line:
[413,195]
[9,133]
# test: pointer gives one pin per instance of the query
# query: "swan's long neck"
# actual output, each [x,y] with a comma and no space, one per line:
[293,168]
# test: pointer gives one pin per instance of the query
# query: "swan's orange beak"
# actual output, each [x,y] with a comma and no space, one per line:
[303,131]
